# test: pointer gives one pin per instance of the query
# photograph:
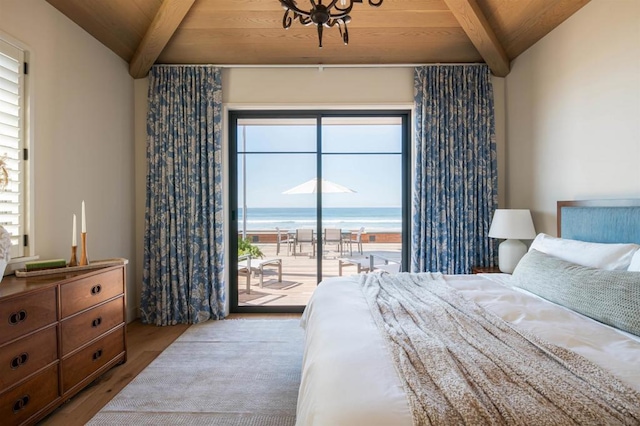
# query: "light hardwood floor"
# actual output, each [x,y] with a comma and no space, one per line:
[144,344]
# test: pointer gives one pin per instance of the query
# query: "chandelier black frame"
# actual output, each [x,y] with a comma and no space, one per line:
[321,15]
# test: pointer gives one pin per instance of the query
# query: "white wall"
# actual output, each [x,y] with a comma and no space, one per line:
[141,86]
[82,145]
[573,112]
[328,87]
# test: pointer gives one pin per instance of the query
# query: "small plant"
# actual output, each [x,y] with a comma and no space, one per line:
[245,247]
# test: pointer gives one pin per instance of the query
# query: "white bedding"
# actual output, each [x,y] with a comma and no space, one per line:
[348,377]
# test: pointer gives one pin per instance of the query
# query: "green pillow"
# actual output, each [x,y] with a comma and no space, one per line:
[611,297]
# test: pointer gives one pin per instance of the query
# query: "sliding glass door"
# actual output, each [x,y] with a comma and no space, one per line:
[362,165]
[313,195]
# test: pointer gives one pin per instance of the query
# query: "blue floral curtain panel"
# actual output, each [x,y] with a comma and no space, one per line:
[455,192]
[183,244]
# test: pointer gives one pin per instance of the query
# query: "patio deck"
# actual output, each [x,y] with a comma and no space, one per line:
[299,273]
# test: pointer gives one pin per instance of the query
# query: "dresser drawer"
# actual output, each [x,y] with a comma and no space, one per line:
[86,292]
[24,314]
[82,328]
[22,402]
[26,356]
[80,365]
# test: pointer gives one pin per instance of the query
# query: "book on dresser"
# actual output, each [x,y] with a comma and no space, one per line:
[58,333]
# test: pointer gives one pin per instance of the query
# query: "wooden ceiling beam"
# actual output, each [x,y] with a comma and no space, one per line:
[164,24]
[477,28]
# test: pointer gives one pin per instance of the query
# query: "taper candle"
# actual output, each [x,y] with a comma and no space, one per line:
[74,241]
[84,221]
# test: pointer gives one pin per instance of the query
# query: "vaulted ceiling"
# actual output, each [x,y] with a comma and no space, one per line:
[250,32]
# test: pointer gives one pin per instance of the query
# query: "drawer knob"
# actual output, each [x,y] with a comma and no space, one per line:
[17,317]
[96,322]
[96,289]
[97,354]
[21,403]
[19,360]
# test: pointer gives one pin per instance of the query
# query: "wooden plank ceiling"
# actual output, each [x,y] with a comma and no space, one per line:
[249,32]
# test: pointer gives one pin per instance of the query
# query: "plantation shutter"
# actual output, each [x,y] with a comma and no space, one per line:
[12,144]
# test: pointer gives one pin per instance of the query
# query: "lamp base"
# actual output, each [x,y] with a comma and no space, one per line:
[509,254]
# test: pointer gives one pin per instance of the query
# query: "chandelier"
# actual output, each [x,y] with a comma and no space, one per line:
[335,13]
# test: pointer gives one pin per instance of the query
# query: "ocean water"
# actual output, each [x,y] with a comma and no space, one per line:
[346,218]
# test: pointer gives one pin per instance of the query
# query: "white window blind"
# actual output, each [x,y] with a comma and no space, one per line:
[12,112]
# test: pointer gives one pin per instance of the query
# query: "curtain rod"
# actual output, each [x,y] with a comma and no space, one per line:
[321,66]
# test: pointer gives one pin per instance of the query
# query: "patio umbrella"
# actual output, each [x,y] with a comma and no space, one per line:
[311,187]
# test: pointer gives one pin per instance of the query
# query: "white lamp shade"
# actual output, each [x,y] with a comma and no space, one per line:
[512,224]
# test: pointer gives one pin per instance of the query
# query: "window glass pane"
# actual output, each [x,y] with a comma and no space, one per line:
[271,223]
[277,135]
[369,219]
[362,134]
[376,180]
[269,176]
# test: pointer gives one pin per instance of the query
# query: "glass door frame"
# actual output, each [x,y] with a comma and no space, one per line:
[232,198]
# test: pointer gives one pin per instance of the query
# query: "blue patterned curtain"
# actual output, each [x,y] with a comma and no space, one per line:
[183,247]
[455,190]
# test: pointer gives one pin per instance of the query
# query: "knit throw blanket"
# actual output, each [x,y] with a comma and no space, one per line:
[462,365]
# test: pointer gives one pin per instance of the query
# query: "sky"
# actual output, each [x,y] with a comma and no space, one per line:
[376,178]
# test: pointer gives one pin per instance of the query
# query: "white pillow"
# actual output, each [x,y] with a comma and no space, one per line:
[635,262]
[594,255]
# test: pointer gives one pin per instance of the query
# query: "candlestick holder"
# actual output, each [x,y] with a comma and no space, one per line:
[83,254]
[73,261]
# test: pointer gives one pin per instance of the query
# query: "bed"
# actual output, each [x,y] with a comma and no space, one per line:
[351,376]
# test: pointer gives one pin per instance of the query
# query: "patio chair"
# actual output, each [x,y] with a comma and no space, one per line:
[304,236]
[333,236]
[357,240]
[283,237]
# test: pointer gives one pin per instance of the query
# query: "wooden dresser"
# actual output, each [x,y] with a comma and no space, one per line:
[57,334]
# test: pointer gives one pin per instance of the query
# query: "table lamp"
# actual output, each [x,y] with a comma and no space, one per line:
[513,225]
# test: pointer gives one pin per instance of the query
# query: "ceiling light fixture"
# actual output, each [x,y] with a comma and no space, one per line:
[322,15]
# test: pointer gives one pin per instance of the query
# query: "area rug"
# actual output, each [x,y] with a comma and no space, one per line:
[234,372]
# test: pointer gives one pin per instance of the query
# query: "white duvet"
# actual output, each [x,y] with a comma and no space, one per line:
[348,377]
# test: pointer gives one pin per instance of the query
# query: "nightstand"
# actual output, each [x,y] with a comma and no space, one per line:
[485,270]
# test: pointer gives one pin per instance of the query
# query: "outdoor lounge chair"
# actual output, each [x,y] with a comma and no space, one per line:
[244,270]
[371,262]
[248,266]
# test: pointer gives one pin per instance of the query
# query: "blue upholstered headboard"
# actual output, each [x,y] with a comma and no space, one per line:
[600,221]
